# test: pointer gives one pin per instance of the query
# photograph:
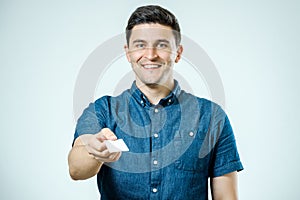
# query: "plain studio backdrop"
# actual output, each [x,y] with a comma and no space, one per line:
[254,46]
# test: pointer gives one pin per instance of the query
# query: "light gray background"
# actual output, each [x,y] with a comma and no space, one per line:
[43,44]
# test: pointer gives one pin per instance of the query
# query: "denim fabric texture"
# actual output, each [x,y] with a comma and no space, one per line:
[174,147]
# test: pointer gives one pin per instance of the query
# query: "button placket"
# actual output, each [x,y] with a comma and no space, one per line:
[158,117]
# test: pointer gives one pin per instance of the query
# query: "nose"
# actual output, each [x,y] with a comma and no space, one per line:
[150,53]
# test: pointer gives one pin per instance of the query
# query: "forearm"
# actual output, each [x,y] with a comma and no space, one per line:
[82,165]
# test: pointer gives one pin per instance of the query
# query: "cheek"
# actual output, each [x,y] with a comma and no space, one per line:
[134,56]
[168,55]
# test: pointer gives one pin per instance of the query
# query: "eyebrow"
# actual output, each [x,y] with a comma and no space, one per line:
[163,40]
[160,40]
[138,41]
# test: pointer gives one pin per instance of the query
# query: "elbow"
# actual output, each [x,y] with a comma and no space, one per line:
[74,174]
[77,174]
[80,166]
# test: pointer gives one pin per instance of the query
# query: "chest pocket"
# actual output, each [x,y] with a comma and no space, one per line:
[192,164]
[190,142]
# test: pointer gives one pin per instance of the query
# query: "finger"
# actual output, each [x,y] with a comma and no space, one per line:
[110,157]
[106,134]
[95,144]
[104,160]
[100,137]
[101,147]
[109,134]
[115,156]
[101,155]
[95,147]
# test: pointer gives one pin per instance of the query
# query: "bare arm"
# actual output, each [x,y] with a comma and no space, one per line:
[225,187]
[89,153]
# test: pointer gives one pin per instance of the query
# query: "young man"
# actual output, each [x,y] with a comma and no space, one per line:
[176,141]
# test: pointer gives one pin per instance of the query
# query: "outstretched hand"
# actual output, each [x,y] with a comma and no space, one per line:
[96,147]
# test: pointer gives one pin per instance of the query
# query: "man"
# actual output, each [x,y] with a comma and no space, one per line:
[176,141]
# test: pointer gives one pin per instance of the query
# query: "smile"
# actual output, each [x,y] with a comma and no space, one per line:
[151,66]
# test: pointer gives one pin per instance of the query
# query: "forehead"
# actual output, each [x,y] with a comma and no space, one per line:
[151,32]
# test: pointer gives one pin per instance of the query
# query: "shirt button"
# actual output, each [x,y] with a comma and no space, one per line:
[191,134]
[155,162]
[154,190]
[142,101]
[155,135]
[170,100]
[156,110]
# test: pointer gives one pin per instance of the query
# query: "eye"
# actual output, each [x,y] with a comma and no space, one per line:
[162,45]
[140,45]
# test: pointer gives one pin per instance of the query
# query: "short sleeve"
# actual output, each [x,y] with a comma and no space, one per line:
[92,119]
[225,155]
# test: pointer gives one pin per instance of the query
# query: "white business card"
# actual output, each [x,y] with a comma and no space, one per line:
[116,145]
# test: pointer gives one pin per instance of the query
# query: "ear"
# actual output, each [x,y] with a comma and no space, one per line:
[127,53]
[179,53]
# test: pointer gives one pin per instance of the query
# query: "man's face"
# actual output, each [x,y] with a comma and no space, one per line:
[152,52]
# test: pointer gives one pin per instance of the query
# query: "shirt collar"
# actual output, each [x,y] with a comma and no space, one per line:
[168,100]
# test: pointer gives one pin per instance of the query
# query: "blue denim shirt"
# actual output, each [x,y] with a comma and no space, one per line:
[174,147]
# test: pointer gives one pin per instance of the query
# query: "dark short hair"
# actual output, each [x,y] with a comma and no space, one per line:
[153,14]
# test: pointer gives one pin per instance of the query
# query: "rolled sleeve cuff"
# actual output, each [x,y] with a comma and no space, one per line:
[230,167]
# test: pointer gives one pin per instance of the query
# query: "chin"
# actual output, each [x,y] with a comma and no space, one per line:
[154,84]
[150,82]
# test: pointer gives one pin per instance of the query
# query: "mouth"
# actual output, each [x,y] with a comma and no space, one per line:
[151,66]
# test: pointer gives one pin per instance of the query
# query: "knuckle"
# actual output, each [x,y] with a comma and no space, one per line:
[106,132]
[102,147]
[105,153]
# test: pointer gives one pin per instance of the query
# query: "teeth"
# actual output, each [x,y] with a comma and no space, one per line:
[151,66]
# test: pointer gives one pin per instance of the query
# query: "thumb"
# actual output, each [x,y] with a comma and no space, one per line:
[106,134]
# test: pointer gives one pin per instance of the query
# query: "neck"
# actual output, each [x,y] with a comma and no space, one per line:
[156,92]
